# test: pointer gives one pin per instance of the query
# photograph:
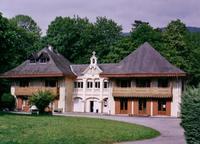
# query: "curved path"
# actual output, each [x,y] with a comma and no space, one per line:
[171,132]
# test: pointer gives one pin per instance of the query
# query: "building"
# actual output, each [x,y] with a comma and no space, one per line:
[143,83]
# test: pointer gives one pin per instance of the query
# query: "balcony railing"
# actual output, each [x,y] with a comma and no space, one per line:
[137,92]
[27,91]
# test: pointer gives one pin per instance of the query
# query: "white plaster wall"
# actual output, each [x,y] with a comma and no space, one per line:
[91,94]
[78,105]
[111,102]
[12,90]
[105,108]
[61,101]
[176,100]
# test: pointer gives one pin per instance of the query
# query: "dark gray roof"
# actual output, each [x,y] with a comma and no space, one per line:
[56,66]
[143,61]
[79,68]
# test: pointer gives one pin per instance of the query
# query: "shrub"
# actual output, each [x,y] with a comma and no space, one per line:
[41,100]
[190,114]
[8,101]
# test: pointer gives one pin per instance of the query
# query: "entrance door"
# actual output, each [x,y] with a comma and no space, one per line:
[123,105]
[91,106]
[142,106]
[162,107]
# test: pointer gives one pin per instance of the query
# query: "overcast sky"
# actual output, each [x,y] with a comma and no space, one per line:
[157,12]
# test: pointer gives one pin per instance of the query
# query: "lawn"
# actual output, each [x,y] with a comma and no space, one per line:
[21,129]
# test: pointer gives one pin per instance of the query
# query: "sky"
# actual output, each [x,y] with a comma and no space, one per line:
[157,12]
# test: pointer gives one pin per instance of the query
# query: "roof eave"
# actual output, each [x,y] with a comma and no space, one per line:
[115,75]
[32,75]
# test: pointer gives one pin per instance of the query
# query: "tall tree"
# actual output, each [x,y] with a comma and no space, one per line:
[76,37]
[106,34]
[15,44]
[175,43]
[71,36]
[119,50]
[142,32]
[27,23]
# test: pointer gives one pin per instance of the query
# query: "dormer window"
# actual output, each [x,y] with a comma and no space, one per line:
[43,58]
[33,58]
[32,61]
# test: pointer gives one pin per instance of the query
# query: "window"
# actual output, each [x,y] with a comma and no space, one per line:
[163,82]
[78,84]
[124,83]
[142,104]
[89,84]
[23,83]
[105,84]
[97,84]
[123,104]
[161,105]
[32,61]
[143,82]
[33,58]
[105,102]
[44,60]
[50,83]
[44,57]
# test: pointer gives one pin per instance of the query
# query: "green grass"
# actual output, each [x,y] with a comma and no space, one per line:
[21,129]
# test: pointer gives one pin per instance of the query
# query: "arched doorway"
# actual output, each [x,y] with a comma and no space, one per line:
[93,105]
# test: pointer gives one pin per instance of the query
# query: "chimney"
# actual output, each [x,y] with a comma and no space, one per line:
[50,47]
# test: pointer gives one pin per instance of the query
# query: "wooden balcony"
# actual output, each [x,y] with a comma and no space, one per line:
[142,92]
[27,91]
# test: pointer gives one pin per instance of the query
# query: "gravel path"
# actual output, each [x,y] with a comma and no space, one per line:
[171,131]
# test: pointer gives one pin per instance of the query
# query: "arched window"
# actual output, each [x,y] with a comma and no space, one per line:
[97,83]
[89,83]
[105,84]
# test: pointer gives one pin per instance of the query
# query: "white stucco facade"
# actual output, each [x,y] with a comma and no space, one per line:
[90,94]
[176,98]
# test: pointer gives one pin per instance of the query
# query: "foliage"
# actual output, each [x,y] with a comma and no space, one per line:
[142,32]
[8,101]
[27,23]
[68,130]
[41,99]
[190,110]
[15,45]
[71,36]
[76,37]
[175,43]
[106,34]
[119,50]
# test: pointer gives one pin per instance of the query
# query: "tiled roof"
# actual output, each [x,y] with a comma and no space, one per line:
[56,66]
[79,68]
[145,60]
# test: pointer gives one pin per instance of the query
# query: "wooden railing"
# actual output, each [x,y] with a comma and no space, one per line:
[30,90]
[150,91]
